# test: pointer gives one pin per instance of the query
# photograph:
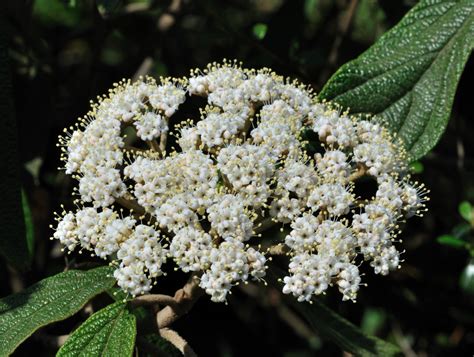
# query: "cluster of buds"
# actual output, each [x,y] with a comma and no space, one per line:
[200,191]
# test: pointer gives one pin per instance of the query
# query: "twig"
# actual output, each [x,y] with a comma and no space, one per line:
[242,37]
[344,24]
[297,324]
[134,149]
[163,139]
[154,299]
[130,204]
[361,171]
[176,340]
[402,341]
[16,281]
[144,69]
[185,298]
[136,7]
[167,19]
[264,225]
[154,145]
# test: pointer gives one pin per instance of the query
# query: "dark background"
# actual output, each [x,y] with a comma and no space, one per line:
[65,52]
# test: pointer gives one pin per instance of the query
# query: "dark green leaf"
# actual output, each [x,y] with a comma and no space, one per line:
[316,10]
[409,76]
[72,3]
[154,345]
[109,332]
[52,299]
[451,241]
[465,210]
[13,245]
[30,229]
[368,22]
[312,11]
[342,332]
[56,13]
[461,230]
[329,325]
[373,320]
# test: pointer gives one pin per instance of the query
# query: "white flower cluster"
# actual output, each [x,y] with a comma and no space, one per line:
[200,192]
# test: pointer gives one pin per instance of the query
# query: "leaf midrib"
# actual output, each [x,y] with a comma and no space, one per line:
[112,329]
[409,91]
[58,318]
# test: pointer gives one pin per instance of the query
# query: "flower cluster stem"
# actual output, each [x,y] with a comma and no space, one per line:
[185,299]
[176,340]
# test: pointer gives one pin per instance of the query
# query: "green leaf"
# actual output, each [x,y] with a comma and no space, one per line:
[30,229]
[331,326]
[346,335]
[373,320]
[461,230]
[260,31]
[52,299]
[409,76]
[316,10]
[56,13]
[13,245]
[368,22]
[417,167]
[450,240]
[109,332]
[161,347]
[465,210]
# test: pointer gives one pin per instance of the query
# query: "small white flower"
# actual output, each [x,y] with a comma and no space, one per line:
[264,153]
[150,126]
[334,198]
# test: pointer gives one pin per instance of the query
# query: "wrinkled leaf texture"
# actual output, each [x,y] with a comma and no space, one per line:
[52,299]
[109,332]
[408,78]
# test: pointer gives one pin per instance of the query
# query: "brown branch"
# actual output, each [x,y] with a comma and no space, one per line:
[16,281]
[176,340]
[264,225]
[130,204]
[134,149]
[153,145]
[361,171]
[185,299]
[154,299]
[144,69]
[297,324]
[402,341]
[163,139]
[344,25]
